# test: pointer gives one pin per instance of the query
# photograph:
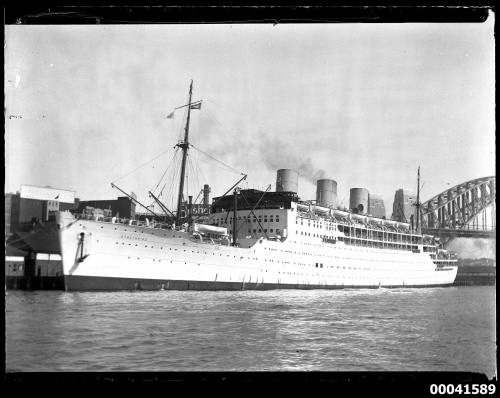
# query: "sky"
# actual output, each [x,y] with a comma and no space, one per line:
[365,104]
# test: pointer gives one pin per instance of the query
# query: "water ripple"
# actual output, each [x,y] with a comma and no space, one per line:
[437,329]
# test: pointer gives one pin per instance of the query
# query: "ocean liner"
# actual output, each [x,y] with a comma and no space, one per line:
[250,240]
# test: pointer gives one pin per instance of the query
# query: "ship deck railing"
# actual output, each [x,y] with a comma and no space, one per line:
[127,221]
[152,225]
[345,221]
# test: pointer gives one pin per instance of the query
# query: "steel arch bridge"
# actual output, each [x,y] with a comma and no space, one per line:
[462,208]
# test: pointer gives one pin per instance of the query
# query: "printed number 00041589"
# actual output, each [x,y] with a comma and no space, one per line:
[463,389]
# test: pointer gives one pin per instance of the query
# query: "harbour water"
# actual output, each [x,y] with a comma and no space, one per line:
[428,329]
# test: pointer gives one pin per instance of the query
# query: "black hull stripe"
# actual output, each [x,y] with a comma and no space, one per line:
[87,283]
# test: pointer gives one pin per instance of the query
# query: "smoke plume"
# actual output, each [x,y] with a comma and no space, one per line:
[278,154]
[473,247]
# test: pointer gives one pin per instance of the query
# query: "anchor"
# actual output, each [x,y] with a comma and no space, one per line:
[82,257]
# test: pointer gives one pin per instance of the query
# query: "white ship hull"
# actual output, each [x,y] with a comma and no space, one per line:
[125,257]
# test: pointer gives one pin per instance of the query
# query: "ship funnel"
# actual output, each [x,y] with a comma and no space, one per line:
[206,195]
[326,193]
[287,180]
[358,200]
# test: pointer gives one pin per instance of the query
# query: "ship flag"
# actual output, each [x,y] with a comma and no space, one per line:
[196,106]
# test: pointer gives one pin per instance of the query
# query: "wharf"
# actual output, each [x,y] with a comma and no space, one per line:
[32,271]
[474,275]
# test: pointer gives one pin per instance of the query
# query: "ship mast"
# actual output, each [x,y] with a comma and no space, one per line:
[184,146]
[235,212]
[418,202]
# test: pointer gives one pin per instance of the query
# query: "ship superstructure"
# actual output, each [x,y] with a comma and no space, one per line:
[251,240]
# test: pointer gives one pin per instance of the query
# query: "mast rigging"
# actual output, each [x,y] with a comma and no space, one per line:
[225,193]
[135,200]
[162,206]
[184,146]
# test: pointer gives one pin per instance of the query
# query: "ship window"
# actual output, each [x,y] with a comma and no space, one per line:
[260,230]
[271,230]
[277,231]
[254,231]
[265,230]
